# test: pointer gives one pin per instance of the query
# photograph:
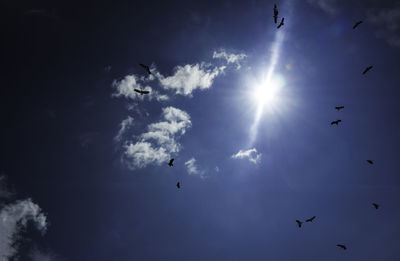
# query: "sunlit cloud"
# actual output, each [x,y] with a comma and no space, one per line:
[250,154]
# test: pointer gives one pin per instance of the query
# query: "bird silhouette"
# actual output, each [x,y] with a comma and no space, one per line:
[171,162]
[141,91]
[281,23]
[336,122]
[342,246]
[275,13]
[339,108]
[311,219]
[178,185]
[370,162]
[357,24]
[367,69]
[376,206]
[299,223]
[147,68]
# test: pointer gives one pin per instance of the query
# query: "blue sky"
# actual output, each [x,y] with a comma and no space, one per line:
[245,110]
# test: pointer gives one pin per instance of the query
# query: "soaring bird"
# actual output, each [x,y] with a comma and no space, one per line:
[357,24]
[376,206]
[339,108]
[311,219]
[275,14]
[281,23]
[336,122]
[299,223]
[171,162]
[367,69]
[370,162]
[178,185]
[342,246]
[141,91]
[147,68]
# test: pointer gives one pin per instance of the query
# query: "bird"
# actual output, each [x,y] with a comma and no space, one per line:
[336,122]
[376,206]
[178,185]
[357,24]
[299,223]
[339,108]
[275,13]
[281,23]
[367,69]
[141,91]
[147,68]
[342,246]
[311,219]
[370,162]
[171,162]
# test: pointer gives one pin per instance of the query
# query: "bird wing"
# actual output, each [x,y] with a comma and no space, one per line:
[145,92]
[136,90]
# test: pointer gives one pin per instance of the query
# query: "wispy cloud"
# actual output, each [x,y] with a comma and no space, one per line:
[230,57]
[15,217]
[188,78]
[192,168]
[160,141]
[250,154]
[329,6]
[124,126]
[126,88]
[387,22]
[37,255]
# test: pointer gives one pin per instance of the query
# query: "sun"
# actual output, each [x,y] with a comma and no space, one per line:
[267,91]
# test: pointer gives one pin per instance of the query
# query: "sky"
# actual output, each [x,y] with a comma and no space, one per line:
[244,108]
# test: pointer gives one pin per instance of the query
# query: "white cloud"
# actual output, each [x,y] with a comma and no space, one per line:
[329,6]
[217,169]
[251,154]
[230,57]
[188,78]
[387,21]
[192,168]
[125,124]
[13,218]
[126,88]
[160,141]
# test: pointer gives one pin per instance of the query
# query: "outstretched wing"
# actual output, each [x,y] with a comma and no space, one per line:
[299,222]
[310,219]
[145,92]
[139,91]
[357,24]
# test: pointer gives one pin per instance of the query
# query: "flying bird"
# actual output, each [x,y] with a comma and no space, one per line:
[141,91]
[171,162]
[342,246]
[178,185]
[376,206]
[275,14]
[299,223]
[370,162]
[357,24]
[147,68]
[281,23]
[339,108]
[336,122]
[367,69]
[311,219]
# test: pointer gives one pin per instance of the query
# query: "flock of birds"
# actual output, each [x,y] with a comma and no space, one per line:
[336,122]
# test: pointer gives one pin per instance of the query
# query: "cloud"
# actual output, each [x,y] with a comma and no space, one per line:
[13,218]
[329,6]
[387,20]
[230,57]
[37,255]
[126,88]
[188,78]
[4,193]
[160,141]
[125,124]
[251,154]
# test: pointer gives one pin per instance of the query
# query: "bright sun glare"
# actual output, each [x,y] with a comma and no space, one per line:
[267,91]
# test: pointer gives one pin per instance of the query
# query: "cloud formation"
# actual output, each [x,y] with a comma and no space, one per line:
[230,57]
[189,77]
[37,255]
[124,126]
[126,88]
[160,141]
[387,21]
[329,6]
[250,154]
[192,168]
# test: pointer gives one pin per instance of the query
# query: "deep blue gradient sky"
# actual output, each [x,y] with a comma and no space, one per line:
[60,119]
